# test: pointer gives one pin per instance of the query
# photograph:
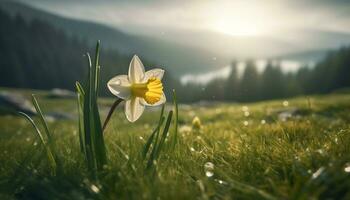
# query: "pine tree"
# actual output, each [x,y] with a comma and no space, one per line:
[231,86]
[249,85]
[273,82]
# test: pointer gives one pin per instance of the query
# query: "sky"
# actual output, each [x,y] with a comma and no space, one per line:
[231,17]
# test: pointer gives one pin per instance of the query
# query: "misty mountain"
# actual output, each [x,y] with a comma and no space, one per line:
[184,51]
[178,58]
[299,45]
[37,55]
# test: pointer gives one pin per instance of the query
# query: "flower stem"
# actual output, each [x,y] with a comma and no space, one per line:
[114,106]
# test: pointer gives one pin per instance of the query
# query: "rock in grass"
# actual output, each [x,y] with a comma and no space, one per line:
[11,103]
[53,116]
[58,93]
[287,113]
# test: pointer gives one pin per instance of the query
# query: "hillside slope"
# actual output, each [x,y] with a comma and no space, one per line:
[179,58]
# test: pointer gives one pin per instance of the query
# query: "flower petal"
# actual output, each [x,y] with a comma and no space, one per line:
[157,73]
[136,70]
[160,102]
[133,109]
[120,86]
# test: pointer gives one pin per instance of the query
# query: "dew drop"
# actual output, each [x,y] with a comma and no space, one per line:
[297,158]
[94,188]
[318,173]
[246,123]
[285,103]
[221,182]
[246,113]
[320,151]
[209,169]
[209,173]
[263,121]
[347,168]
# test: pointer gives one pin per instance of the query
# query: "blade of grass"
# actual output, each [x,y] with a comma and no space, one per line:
[42,120]
[30,120]
[98,71]
[156,133]
[164,135]
[97,65]
[90,127]
[50,155]
[245,188]
[51,141]
[90,158]
[99,145]
[157,148]
[176,112]
[150,139]
[80,92]
[160,122]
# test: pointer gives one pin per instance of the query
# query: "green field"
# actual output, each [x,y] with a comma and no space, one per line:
[266,150]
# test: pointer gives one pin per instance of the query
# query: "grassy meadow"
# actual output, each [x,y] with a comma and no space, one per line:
[283,149]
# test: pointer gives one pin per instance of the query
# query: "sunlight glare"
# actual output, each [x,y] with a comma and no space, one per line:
[236,28]
[240,19]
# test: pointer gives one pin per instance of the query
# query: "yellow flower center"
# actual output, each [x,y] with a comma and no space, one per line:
[151,91]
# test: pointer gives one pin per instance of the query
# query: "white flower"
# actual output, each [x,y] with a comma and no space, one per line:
[138,88]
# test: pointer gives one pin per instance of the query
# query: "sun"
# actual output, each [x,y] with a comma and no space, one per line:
[237,28]
[239,19]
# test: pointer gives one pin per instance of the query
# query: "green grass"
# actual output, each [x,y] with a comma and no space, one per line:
[303,157]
